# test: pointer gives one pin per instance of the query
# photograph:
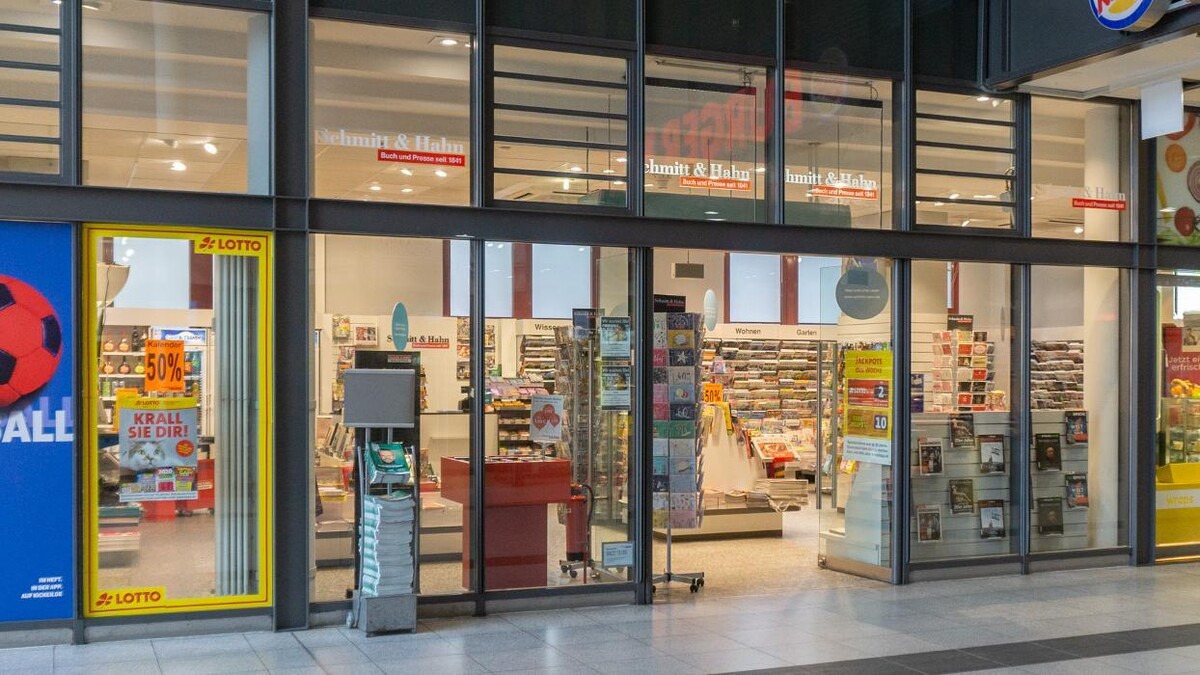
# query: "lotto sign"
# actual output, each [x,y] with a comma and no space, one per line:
[164,366]
[129,597]
[868,405]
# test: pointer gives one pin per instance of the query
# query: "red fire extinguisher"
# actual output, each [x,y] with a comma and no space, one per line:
[577,517]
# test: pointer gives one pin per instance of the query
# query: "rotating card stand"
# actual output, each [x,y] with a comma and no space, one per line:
[694,580]
[385,399]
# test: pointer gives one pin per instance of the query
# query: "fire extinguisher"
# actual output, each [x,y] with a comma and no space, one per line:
[578,513]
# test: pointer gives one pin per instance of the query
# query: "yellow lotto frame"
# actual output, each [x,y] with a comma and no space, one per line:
[140,601]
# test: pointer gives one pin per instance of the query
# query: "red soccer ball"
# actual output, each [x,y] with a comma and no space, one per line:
[30,340]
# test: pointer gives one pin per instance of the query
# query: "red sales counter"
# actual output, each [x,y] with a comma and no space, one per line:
[517,491]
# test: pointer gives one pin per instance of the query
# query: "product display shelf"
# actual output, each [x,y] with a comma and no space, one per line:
[764,380]
[960,534]
[1181,429]
[1056,374]
[511,401]
[1052,484]
[963,372]
[134,359]
[536,355]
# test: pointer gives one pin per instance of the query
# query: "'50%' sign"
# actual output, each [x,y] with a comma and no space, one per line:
[164,365]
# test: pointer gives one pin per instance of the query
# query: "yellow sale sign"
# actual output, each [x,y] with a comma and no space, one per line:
[868,406]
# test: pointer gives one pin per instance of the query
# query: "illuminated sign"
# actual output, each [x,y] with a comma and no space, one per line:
[1131,15]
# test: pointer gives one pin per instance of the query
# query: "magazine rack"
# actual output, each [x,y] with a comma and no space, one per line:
[385,401]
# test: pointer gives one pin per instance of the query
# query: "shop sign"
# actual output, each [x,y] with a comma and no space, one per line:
[158,443]
[130,598]
[429,342]
[710,309]
[616,554]
[1099,198]
[868,405]
[400,147]
[1130,15]
[669,303]
[703,175]
[614,387]
[191,337]
[400,327]
[37,423]
[229,245]
[861,293]
[835,184]
[164,366]
[1176,499]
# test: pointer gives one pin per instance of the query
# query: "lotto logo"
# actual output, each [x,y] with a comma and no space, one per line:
[229,245]
[135,598]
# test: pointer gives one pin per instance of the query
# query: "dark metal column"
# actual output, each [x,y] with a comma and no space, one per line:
[641,272]
[70,80]
[481,112]
[904,133]
[1144,453]
[901,416]
[1019,418]
[293,443]
[776,149]
[478,388]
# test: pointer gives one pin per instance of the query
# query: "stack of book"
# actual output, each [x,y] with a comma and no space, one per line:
[387,545]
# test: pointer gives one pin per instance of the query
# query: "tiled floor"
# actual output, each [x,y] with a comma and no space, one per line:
[952,623]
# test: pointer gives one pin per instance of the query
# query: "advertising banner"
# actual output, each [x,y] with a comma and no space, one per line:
[1177,164]
[545,422]
[37,427]
[614,337]
[158,445]
[868,404]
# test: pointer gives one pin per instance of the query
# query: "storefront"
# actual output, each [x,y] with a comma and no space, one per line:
[859,304]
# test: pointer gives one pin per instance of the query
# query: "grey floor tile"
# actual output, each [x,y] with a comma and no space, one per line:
[1091,646]
[526,659]
[338,655]
[352,669]
[266,641]
[322,637]
[806,651]
[296,657]
[625,649]
[857,667]
[116,668]
[942,662]
[655,665]
[484,643]
[1020,654]
[1163,662]
[732,660]
[213,664]
[565,635]
[381,652]
[891,645]
[305,670]
[187,647]
[675,645]
[454,664]
[103,652]
[22,658]
[560,617]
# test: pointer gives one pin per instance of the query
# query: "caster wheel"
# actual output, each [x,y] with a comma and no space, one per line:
[700,582]
[653,590]
[564,569]
[574,574]
[693,588]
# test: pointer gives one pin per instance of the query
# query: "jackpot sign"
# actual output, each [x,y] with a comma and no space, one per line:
[1130,15]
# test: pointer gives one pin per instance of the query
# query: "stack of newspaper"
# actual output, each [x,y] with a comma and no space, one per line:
[387,545]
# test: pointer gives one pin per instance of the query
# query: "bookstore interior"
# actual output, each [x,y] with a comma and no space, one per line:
[772,378]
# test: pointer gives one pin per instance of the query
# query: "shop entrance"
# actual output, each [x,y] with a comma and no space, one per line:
[784,499]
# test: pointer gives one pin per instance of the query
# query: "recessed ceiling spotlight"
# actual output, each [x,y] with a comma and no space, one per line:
[983,99]
[566,183]
[966,222]
[576,168]
[608,171]
[448,42]
[712,213]
[620,160]
[440,174]
[406,190]
[210,148]
[953,195]
[985,196]
[761,169]
[375,188]
[178,166]
[406,172]
[1078,229]
[939,203]
[1167,210]
[618,182]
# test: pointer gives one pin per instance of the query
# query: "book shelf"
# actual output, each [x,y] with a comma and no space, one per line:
[536,355]
[1056,374]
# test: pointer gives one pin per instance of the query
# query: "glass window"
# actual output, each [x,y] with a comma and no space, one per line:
[854,33]
[29,122]
[458,11]
[1078,465]
[1178,457]
[754,288]
[817,279]
[562,279]
[962,474]
[353,319]
[965,161]
[177,407]
[176,97]
[1177,200]
[560,127]
[705,140]
[611,19]
[559,419]
[746,27]
[498,275]
[368,147]
[838,152]
[1080,170]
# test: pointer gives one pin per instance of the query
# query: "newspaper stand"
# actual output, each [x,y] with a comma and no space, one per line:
[385,400]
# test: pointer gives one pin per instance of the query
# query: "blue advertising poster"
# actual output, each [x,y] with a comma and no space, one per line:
[37,425]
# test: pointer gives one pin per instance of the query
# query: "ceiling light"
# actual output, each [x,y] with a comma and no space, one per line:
[178,166]
[210,148]
[406,190]
[966,222]
[577,168]
[983,99]
[995,103]
[712,213]
[1078,229]
[439,173]
[1167,210]
[374,188]
[953,195]
[761,169]
[406,172]
[608,171]
[618,182]
[985,196]
[448,42]
[620,160]
[939,203]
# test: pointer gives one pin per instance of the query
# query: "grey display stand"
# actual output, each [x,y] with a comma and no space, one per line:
[384,399]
